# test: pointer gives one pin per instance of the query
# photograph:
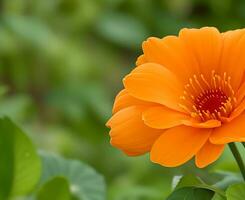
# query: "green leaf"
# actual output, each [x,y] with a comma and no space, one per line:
[85,182]
[188,181]
[192,181]
[236,192]
[191,193]
[23,164]
[7,160]
[218,197]
[57,188]
[27,163]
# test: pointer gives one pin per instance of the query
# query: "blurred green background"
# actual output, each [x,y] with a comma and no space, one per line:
[61,65]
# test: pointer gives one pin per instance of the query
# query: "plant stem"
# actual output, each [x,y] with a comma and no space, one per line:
[238,158]
[243,143]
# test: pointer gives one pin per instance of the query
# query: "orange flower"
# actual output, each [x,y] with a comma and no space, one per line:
[185,98]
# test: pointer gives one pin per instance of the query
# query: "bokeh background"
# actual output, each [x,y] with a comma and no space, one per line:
[61,65]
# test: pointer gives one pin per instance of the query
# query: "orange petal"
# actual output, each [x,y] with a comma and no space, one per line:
[233,56]
[141,60]
[207,124]
[205,44]
[124,100]
[161,117]
[235,113]
[129,133]
[208,154]
[172,53]
[178,145]
[154,83]
[241,92]
[233,131]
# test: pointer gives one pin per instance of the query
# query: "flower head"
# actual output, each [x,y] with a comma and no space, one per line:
[184,99]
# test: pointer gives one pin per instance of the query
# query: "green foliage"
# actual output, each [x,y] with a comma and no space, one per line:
[227,179]
[193,181]
[192,187]
[191,193]
[121,29]
[84,182]
[218,197]
[27,165]
[189,181]
[236,192]
[21,171]
[6,160]
[56,188]
[23,166]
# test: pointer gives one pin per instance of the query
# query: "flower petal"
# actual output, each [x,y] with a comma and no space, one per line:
[212,123]
[141,60]
[171,52]
[236,112]
[207,124]
[154,83]
[233,131]
[233,56]
[124,100]
[241,92]
[208,154]
[129,133]
[161,117]
[178,145]
[205,44]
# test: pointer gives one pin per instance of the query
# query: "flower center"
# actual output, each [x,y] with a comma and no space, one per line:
[208,98]
[211,100]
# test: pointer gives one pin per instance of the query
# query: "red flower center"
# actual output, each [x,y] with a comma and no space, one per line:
[211,101]
[208,98]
